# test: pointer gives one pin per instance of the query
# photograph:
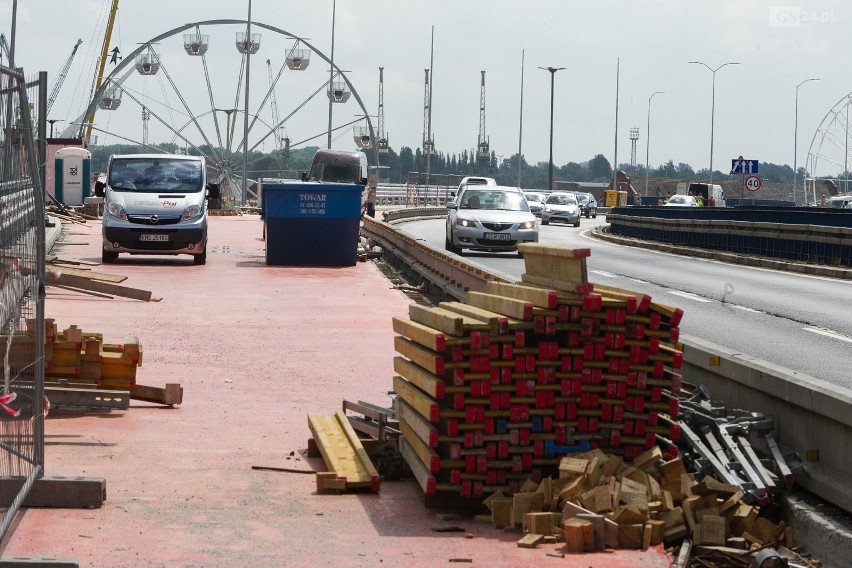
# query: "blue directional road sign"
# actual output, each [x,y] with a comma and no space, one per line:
[742,166]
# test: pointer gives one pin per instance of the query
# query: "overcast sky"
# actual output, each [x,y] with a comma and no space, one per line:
[776,44]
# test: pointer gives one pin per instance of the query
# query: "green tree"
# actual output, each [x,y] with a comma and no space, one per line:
[599,169]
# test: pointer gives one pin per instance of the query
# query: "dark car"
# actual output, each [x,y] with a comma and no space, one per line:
[588,204]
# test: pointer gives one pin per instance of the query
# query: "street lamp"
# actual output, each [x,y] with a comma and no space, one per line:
[648,138]
[553,71]
[713,107]
[795,137]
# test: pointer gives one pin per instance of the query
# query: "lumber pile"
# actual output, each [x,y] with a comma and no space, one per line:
[494,391]
[83,360]
[601,501]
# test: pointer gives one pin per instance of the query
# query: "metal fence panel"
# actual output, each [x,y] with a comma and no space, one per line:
[21,297]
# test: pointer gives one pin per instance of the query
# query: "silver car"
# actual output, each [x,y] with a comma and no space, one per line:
[489,218]
[561,206]
[535,200]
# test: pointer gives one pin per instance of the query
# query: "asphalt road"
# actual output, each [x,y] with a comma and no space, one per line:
[801,322]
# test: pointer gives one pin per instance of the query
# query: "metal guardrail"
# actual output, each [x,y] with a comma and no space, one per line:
[827,244]
[809,412]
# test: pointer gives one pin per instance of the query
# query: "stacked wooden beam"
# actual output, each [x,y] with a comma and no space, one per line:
[493,391]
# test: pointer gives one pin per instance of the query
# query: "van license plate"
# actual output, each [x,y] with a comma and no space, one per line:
[498,236]
[151,238]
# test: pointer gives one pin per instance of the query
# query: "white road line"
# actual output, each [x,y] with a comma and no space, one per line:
[832,334]
[745,309]
[689,296]
[604,273]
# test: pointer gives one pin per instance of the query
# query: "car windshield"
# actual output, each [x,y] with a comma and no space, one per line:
[163,175]
[336,173]
[494,200]
[563,199]
[534,197]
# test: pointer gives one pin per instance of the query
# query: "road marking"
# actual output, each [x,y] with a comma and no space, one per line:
[604,273]
[745,309]
[827,333]
[689,296]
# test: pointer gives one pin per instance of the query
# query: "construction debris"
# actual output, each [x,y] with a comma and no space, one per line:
[349,465]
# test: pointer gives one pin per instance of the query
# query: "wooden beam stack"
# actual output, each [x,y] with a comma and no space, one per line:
[494,391]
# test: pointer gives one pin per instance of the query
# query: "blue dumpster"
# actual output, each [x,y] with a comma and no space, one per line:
[312,224]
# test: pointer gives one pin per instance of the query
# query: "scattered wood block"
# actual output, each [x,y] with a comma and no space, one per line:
[742,519]
[648,458]
[656,529]
[523,503]
[572,467]
[530,540]
[630,536]
[579,535]
[672,469]
[709,485]
[597,500]
[540,523]
[170,395]
[629,516]
[328,482]
[598,526]
[711,530]
[501,512]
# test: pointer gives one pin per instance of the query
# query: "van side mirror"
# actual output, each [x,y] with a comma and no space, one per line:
[305,176]
[213,191]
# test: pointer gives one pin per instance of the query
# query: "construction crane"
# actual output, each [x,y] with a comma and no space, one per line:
[273,103]
[61,77]
[483,146]
[103,60]
[382,139]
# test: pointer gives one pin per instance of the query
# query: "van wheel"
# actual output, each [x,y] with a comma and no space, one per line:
[200,258]
[108,257]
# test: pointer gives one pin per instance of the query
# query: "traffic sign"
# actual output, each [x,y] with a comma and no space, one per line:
[753,183]
[742,166]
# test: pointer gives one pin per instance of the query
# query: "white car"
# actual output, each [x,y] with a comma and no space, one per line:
[489,218]
[681,201]
[561,206]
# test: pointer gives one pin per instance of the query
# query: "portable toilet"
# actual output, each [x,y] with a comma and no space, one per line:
[73,172]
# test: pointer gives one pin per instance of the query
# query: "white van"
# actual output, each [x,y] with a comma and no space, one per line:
[156,204]
[340,166]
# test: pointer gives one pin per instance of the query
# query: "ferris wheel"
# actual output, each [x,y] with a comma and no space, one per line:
[829,157]
[191,86]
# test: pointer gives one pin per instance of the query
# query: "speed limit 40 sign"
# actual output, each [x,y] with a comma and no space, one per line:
[753,183]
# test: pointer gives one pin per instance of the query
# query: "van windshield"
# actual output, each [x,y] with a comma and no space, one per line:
[336,173]
[163,175]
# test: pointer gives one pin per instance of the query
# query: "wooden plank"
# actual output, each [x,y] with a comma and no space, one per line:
[342,451]
[538,297]
[427,359]
[170,395]
[530,540]
[419,400]
[430,384]
[553,261]
[570,286]
[497,323]
[446,321]
[105,287]
[425,479]
[423,335]
[425,431]
[89,274]
[428,456]
[509,307]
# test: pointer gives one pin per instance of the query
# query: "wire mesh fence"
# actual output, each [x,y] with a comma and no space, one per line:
[22,227]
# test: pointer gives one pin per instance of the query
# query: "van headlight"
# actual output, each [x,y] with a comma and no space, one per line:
[191,212]
[116,209]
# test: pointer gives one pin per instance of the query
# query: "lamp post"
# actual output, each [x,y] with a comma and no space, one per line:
[552,71]
[648,138]
[713,106]
[795,138]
